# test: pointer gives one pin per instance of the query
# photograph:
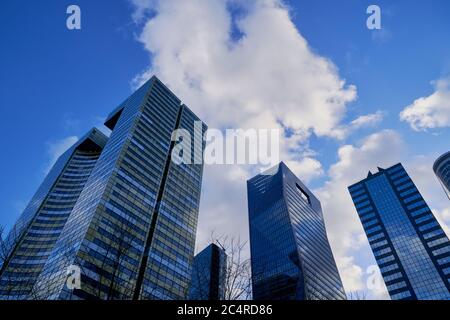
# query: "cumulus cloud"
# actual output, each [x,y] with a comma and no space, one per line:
[142,7]
[445,214]
[420,168]
[345,231]
[352,275]
[56,148]
[255,70]
[367,120]
[432,111]
[307,168]
[270,70]
[347,238]
[370,120]
[252,70]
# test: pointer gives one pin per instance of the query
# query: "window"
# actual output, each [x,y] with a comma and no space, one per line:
[304,195]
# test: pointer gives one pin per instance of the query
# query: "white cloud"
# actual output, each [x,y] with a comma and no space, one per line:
[351,274]
[270,70]
[141,8]
[445,214]
[420,168]
[56,148]
[223,207]
[268,78]
[367,120]
[370,120]
[432,111]
[345,232]
[307,168]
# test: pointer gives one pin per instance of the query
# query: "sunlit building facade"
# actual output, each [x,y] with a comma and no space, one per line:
[290,254]
[131,230]
[409,245]
[35,234]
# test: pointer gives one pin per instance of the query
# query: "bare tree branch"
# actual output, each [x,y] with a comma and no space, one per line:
[238,280]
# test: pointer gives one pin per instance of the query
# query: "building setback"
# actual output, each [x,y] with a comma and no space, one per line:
[209,274]
[131,230]
[409,245]
[290,254]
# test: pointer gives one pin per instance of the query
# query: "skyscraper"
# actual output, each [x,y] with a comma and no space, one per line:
[36,232]
[131,229]
[209,274]
[441,168]
[409,245]
[290,254]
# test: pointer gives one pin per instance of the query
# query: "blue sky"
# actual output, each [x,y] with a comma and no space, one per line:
[390,73]
[55,84]
[45,67]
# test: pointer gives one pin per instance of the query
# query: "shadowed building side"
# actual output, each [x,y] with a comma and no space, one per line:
[290,253]
[209,274]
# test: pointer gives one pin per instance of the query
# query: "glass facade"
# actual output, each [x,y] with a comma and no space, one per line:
[209,274]
[36,232]
[441,168]
[409,245]
[132,229]
[290,254]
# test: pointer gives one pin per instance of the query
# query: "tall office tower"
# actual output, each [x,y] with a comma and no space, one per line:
[441,168]
[36,232]
[290,254]
[209,274]
[131,232]
[409,245]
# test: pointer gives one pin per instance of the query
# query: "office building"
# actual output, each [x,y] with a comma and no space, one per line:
[41,223]
[409,245]
[290,254]
[130,225]
[209,274]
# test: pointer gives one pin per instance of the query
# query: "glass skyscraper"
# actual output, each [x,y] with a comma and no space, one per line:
[36,232]
[209,274]
[409,245]
[119,209]
[441,168]
[290,254]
